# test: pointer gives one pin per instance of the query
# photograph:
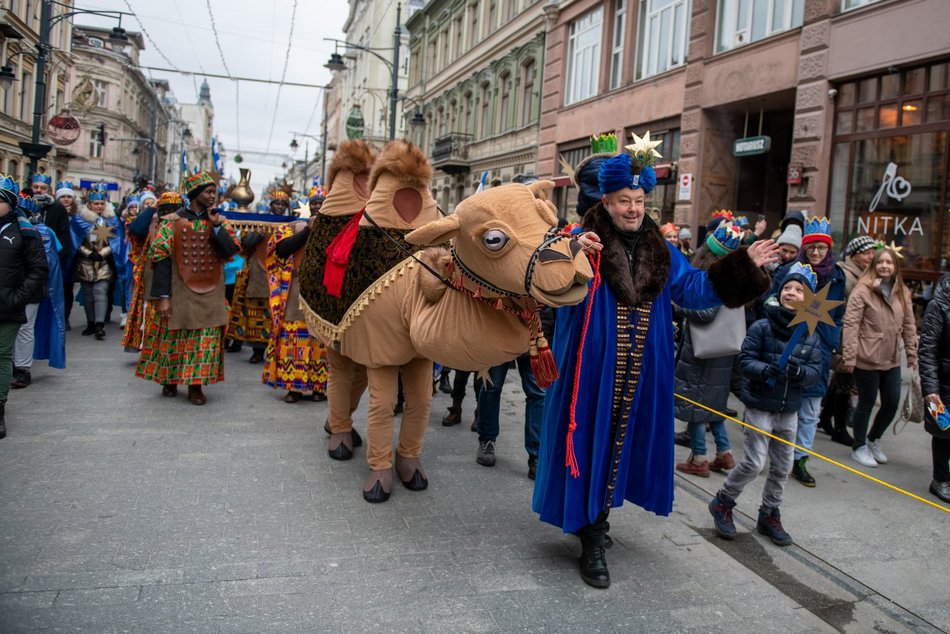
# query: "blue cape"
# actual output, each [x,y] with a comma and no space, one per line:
[645,473]
[79,228]
[50,330]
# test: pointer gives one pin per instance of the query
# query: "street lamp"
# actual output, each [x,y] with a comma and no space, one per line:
[336,64]
[294,145]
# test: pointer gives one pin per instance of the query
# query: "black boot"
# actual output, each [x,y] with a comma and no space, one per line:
[100,330]
[593,560]
[444,386]
[454,417]
[3,423]
[90,329]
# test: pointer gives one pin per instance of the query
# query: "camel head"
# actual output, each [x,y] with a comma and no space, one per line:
[348,178]
[505,236]
[399,188]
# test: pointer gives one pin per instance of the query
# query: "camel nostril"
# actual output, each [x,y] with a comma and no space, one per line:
[575,248]
[551,255]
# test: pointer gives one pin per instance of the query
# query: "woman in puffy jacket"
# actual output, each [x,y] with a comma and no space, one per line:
[879,315]
[935,381]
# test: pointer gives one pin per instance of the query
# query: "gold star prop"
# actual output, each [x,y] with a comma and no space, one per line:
[569,171]
[103,233]
[814,309]
[644,147]
[896,249]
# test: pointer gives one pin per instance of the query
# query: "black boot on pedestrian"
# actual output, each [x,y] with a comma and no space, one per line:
[485,455]
[444,386]
[454,417]
[90,329]
[842,437]
[800,472]
[100,330]
[770,525]
[3,422]
[532,467]
[683,439]
[593,560]
[21,378]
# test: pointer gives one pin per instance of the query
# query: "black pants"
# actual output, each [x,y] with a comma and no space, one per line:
[837,400]
[458,387]
[941,454]
[868,383]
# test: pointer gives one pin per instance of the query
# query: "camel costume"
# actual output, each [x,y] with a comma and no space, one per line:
[469,308]
[348,184]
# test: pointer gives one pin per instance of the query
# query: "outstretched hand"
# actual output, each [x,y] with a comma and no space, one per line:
[590,240]
[764,252]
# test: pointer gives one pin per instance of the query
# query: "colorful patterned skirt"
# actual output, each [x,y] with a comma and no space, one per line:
[295,361]
[138,312]
[181,357]
[250,320]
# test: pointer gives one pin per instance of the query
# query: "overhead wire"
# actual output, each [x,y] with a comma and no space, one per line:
[147,36]
[217,41]
[283,75]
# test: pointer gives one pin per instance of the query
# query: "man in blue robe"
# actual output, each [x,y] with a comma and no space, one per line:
[618,386]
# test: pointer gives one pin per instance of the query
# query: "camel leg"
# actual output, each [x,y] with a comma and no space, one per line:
[417,386]
[345,386]
[379,432]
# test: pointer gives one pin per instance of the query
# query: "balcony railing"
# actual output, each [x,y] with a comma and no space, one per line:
[450,152]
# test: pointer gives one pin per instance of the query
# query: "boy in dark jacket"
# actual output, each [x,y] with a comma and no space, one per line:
[772,396]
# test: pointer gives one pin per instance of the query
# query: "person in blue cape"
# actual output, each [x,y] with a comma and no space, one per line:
[44,335]
[607,430]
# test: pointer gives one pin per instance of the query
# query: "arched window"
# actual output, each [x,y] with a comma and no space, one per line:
[453,116]
[504,120]
[469,105]
[527,92]
[484,99]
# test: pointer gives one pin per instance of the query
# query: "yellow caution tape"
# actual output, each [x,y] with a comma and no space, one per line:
[817,455]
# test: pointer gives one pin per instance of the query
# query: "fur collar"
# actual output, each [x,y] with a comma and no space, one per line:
[651,259]
[89,215]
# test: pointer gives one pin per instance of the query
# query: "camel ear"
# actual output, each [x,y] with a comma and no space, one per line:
[542,191]
[435,232]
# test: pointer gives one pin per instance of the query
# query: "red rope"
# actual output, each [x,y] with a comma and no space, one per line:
[571,460]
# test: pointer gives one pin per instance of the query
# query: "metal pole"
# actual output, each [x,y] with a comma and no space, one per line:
[394,89]
[152,154]
[323,156]
[306,157]
[39,99]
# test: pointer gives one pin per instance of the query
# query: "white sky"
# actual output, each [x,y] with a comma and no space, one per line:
[254,37]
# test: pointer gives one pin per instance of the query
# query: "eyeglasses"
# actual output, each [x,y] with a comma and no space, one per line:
[820,248]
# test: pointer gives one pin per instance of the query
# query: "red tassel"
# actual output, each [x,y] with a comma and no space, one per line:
[571,459]
[543,364]
[499,305]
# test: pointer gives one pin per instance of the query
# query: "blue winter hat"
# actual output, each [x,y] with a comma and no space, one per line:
[9,190]
[46,179]
[725,239]
[802,273]
[65,188]
[132,200]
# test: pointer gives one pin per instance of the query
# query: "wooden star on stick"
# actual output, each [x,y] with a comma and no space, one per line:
[814,309]
[103,233]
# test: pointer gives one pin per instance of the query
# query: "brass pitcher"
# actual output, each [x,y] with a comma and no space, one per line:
[242,193]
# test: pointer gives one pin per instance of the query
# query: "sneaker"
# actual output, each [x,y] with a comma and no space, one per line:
[124,320]
[486,453]
[721,512]
[800,472]
[693,466]
[770,525]
[940,489]
[863,456]
[723,462]
[532,467]
[875,447]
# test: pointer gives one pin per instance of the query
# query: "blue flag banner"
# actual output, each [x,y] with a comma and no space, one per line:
[112,187]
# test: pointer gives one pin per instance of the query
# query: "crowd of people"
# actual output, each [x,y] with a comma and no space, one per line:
[663,316]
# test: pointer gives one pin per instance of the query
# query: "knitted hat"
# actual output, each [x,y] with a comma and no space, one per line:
[718,216]
[9,190]
[132,200]
[97,192]
[147,195]
[632,168]
[859,245]
[817,230]
[725,239]
[792,235]
[192,184]
[65,188]
[46,179]
[793,217]
[802,273]
[279,194]
[685,234]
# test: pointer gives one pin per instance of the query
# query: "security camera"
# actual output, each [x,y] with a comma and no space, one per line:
[832,92]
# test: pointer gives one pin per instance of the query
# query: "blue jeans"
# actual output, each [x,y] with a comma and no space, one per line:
[697,435]
[489,404]
[808,417]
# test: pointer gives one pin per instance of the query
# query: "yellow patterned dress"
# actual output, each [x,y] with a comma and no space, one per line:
[295,361]
[250,319]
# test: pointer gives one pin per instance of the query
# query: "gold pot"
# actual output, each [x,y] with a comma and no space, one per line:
[242,193]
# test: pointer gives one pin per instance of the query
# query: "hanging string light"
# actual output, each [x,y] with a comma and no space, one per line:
[149,37]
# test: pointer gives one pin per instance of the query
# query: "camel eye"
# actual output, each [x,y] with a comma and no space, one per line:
[494,239]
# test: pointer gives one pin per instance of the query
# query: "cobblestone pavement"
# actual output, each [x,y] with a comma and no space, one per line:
[121,510]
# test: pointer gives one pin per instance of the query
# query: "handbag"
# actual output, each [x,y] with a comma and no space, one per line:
[722,337]
[913,409]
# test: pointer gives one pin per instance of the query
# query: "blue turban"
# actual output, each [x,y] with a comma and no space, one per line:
[618,172]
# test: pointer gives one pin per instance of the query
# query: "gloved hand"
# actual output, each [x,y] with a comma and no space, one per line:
[793,370]
[772,371]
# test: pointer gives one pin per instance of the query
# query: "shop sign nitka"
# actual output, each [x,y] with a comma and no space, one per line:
[896,188]
[751,145]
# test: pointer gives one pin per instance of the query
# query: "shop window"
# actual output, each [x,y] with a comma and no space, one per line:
[891,86]
[939,77]
[741,22]
[914,81]
[888,116]
[911,113]
[583,57]
[867,90]
[664,35]
[938,108]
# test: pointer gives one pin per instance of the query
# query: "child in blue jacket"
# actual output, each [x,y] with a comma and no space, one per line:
[772,396]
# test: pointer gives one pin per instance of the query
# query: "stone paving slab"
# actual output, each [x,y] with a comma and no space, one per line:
[122,511]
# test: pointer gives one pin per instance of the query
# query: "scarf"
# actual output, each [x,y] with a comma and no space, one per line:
[822,270]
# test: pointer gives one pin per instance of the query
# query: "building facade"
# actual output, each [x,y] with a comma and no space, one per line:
[19,35]
[475,77]
[836,107]
[198,120]
[126,107]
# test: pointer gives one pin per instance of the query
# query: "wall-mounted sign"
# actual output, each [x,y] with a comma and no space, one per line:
[794,174]
[685,187]
[751,145]
[86,184]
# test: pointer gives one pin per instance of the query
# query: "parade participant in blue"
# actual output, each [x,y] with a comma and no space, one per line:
[66,196]
[817,251]
[23,277]
[133,207]
[607,432]
[52,212]
[43,336]
[98,246]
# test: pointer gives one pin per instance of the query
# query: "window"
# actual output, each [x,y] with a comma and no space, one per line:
[457,38]
[453,114]
[527,93]
[503,122]
[583,57]
[619,32]
[101,93]
[467,114]
[95,147]
[14,170]
[745,21]
[483,98]
[512,8]
[664,35]
[473,25]
[25,95]
[492,16]
[847,5]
